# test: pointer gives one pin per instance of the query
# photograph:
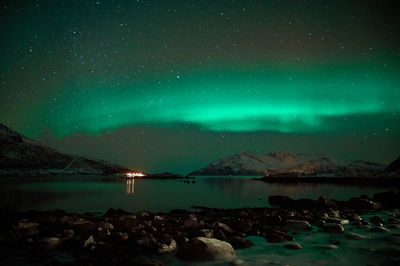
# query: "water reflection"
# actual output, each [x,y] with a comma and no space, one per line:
[81,194]
[130,186]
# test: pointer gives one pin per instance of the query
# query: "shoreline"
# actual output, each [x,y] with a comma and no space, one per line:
[373,181]
[118,236]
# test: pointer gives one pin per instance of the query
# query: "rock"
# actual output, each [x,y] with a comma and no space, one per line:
[122,236]
[333,213]
[377,220]
[219,234]
[208,233]
[363,204]
[50,243]
[147,243]
[237,262]
[333,228]
[279,200]
[166,248]
[329,247]
[83,226]
[206,249]
[128,222]
[191,222]
[393,220]
[271,220]
[297,225]
[181,239]
[293,246]
[275,235]
[320,223]
[89,242]
[225,228]
[394,226]
[240,243]
[102,235]
[325,202]
[158,218]
[143,214]
[106,226]
[354,236]
[337,221]
[355,218]
[69,233]
[379,229]
[28,228]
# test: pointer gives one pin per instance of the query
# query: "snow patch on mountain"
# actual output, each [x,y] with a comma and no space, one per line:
[285,163]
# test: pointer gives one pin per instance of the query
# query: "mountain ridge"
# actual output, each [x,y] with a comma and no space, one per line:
[286,163]
[20,155]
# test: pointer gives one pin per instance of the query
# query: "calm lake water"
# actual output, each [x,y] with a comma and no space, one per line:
[82,193]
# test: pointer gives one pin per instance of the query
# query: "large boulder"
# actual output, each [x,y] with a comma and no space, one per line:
[206,249]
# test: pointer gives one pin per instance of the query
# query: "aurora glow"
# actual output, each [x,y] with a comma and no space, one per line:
[210,69]
[269,99]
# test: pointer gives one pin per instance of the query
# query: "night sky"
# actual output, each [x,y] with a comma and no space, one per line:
[173,85]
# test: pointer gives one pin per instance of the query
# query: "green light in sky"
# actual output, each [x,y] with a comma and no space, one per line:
[272,99]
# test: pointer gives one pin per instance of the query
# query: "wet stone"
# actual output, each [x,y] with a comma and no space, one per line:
[333,228]
[297,225]
[206,249]
[377,220]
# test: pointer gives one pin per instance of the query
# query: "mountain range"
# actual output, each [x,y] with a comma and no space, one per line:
[20,155]
[288,164]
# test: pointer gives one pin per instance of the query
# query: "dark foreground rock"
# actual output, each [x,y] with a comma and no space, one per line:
[120,237]
[203,249]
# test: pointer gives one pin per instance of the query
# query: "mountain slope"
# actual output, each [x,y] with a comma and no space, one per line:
[394,166]
[283,163]
[20,155]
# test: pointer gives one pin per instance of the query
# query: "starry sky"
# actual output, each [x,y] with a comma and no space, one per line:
[172,85]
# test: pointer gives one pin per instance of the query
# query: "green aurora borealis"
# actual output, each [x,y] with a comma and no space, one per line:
[169,78]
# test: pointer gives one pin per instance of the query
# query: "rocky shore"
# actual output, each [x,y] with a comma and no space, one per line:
[203,234]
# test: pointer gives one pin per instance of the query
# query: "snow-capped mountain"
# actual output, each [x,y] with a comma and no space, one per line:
[284,163]
[20,155]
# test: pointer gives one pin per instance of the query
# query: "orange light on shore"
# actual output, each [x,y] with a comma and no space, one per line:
[134,174]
